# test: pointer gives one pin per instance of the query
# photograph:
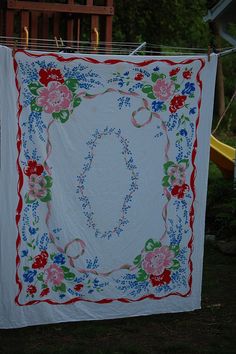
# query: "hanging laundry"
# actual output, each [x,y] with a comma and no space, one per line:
[103,185]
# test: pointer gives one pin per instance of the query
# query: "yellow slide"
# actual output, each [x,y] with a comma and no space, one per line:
[223,156]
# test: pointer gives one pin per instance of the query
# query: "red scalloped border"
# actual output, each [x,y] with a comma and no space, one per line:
[21,178]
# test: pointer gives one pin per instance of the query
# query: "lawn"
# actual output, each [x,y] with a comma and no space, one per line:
[209,330]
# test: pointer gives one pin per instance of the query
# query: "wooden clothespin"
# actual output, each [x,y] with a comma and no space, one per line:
[26,37]
[209,53]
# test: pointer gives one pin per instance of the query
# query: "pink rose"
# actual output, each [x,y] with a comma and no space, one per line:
[163,90]
[54,274]
[54,97]
[177,174]
[155,262]
[37,187]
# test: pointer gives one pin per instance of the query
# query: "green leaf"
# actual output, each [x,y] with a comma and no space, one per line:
[62,288]
[69,276]
[29,244]
[184,161]
[35,107]
[49,181]
[76,101]
[141,275]
[25,268]
[177,86]
[165,181]
[163,108]
[167,165]
[137,260]
[155,77]
[65,269]
[47,197]
[55,288]
[72,84]
[150,245]
[28,200]
[175,249]
[52,255]
[44,286]
[175,264]
[33,87]
[174,78]
[63,115]
[147,88]
[151,95]
[40,277]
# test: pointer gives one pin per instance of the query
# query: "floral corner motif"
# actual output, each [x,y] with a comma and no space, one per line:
[39,183]
[55,95]
[46,273]
[175,178]
[156,263]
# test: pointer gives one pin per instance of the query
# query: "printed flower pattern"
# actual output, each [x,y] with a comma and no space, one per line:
[163,89]
[54,275]
[39,183]
[54,98]
[50,74]
[156,263]
[54,95]
[175,178]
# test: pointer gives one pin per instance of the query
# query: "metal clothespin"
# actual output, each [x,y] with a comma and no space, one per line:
[56,40]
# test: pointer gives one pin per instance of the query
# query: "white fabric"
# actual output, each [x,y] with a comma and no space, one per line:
[102,197]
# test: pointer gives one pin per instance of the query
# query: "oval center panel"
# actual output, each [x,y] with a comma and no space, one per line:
[107,183]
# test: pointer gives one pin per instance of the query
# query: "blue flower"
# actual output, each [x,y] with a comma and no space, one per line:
[156,68]
[157,105]
[32,230]
[24,253]
[189,88]
[59,259]
[29,276]
[183,132]
[193,110]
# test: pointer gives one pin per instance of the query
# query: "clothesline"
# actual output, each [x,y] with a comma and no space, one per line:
[128,48]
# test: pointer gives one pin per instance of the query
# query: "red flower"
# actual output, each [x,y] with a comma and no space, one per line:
[78,287]
[174,71]
[40,260]
[179,191]
[138,77]
[31,289]
[44,292]
[47,75]
[187,74]
[158,280]
[177,102]
[33,168]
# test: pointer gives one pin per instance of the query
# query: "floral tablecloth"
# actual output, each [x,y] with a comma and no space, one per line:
[103,177]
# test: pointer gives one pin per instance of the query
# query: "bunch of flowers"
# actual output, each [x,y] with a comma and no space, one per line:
[175,177]
[156,263]
[39,183]
[53,94]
